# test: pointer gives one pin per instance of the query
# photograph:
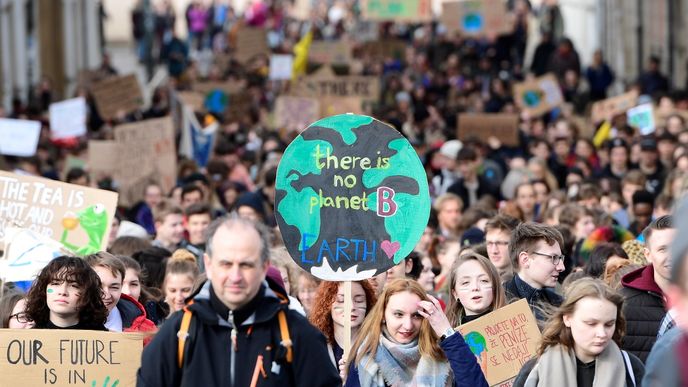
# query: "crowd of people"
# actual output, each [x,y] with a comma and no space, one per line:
[576,219]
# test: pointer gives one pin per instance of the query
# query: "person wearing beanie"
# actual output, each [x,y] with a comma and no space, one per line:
[643,207]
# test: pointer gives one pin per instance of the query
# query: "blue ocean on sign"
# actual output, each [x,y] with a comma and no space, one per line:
[216,102]
[531,98]
[473,22]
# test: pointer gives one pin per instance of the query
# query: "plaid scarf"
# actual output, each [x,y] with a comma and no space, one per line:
[398,365]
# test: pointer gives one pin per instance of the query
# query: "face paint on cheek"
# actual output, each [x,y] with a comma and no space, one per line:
[50,290]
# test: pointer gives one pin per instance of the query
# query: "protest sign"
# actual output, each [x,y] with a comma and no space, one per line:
[296,113]
[384,49]
[192,99]
[643,118]
[25,253]
[197,142]
[476,17]
[146,154]
[103,156]
[502,341]
[19,137]
[68,118]
[321,85]
[611,107]
[281,67]
[540,95]
[117,94]
[397,10]
[351,199]
[78,217]
[251,42]
[43,357]
[483,126]
[336,52]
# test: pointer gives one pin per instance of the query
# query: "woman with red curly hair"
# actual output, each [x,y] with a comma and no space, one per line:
[327,313]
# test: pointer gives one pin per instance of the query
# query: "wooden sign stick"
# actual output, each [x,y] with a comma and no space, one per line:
[347,318]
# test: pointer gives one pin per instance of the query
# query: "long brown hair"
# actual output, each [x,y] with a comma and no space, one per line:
[321,312]
[455,311]
[369,336]
[556,332]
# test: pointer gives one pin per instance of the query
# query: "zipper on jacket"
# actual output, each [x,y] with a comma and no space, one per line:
[233,336]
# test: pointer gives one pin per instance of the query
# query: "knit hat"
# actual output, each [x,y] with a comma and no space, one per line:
[634,250]
[451,148]
[604,234]
[253,200]
[472,236]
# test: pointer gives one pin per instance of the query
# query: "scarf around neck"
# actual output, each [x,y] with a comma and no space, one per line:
[398,365]
[557,367]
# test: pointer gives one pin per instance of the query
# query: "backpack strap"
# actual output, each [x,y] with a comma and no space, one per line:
[629,367]
[183,334]
[284,334]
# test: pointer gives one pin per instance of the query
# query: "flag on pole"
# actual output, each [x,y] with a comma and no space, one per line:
[197,141]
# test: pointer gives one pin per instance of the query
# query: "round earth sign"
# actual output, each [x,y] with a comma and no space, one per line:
[351,198]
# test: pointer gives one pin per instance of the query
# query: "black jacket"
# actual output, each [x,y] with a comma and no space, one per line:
[643,309]
[546,296]
[209,352]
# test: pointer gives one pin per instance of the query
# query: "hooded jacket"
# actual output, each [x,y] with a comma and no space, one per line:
[213,358]
[133,314]
[644,309]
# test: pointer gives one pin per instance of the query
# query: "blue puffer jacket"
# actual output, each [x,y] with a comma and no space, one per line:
[462,361]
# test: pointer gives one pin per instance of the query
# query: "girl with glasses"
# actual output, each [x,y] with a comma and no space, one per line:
[12,313]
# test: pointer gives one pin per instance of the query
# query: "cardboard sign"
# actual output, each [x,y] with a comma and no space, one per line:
[103,156]
[384,49]
[251,42]
[192,99]
[42,357]
[281,67]
[117,94]
[613,106]
[643,118]
[76,216]
[322,85]
[330,52]
[351,198]
[502,341]
[397,10]
[484,126]
[68,118]
[19,137]
[475,17]
[296,113]
[146,154]
[540,95]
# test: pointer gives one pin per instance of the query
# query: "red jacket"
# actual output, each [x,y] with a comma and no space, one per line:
[134,317]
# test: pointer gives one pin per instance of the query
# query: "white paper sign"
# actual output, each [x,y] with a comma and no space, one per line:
[19,137]
[280,67]
[68,118]
[643,118]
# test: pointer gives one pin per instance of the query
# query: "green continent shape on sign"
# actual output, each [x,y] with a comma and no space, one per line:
[344,124]
[402,224]
[291,207]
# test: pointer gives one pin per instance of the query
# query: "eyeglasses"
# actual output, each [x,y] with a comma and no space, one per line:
[556,258]
[21,317]
[497,243]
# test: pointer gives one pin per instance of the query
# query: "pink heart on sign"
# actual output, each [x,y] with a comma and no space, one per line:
[390,248]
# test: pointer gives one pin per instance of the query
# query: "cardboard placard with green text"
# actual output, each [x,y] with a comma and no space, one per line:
[117,95]
[43,357]
[78,217]
[502,341]
[539,95]
[483,126]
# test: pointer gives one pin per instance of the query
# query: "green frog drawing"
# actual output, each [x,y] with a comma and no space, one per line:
[94,221]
